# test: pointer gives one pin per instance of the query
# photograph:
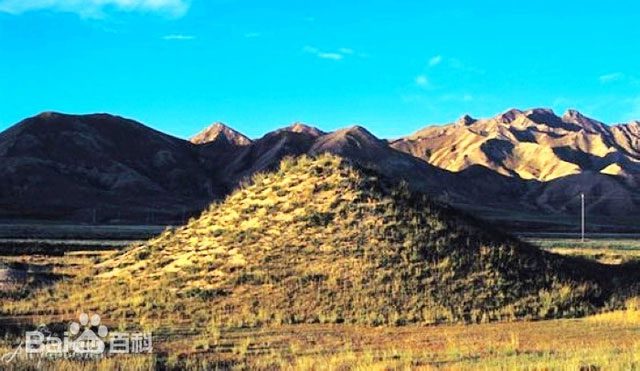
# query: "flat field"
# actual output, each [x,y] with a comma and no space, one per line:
[608,249]
[604,341]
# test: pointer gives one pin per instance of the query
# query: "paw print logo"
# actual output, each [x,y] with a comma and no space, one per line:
[88,342]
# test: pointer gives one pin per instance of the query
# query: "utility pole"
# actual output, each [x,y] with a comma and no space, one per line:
[582,199]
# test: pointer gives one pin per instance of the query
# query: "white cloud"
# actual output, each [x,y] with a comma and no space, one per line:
[563,101]
[336,56]
[465,97]
[435,60]
[611,77]
[453,64]
[96,8]
[422,81]
[178,37]
[252,35]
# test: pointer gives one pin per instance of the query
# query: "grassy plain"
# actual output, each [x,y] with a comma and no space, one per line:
[608,249]
[604,341]
[608,341]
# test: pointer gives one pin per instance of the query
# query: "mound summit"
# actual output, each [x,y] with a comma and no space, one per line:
[322,240]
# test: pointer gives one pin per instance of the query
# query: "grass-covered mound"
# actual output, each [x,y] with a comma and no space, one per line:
[323,241]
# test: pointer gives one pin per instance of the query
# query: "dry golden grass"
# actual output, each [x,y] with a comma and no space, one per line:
[555,344]
[607,341]
[604,250]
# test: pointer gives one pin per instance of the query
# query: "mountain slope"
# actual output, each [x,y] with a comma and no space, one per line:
[356,143]
[534,144]
[299,127]
[322,241]
[265,154]
[98,167]
[359,145]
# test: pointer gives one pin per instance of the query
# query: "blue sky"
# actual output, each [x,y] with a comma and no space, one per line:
[392,66]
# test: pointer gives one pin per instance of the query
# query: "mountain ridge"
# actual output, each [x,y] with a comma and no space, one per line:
[531,144]
[92,155]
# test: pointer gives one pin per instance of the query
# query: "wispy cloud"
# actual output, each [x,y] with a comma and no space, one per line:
[435,60]
[452,63]
[422,81]
[332,55]
[463,97]
[611,77]
[440,71]
[178,37]
[442,79]
[252,35]
[96,8]
[562,101]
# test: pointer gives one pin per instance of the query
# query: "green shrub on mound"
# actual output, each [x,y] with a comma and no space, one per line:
[321,240]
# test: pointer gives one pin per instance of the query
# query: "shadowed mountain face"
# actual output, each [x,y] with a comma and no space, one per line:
[98,167]
[521,168]
[238,163]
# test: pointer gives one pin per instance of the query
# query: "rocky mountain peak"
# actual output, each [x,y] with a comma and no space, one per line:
[577,118]
[299,127]
[48,114]
[509,116]
[220,130]
[574,115]
[360,132]
[466,120]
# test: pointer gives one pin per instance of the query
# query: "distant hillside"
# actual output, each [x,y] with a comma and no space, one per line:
[534,144]
[238,163]
[557,157]
[99,168]
[322,241]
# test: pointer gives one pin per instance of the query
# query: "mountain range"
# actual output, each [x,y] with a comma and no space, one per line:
[534,144]
[524,169]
